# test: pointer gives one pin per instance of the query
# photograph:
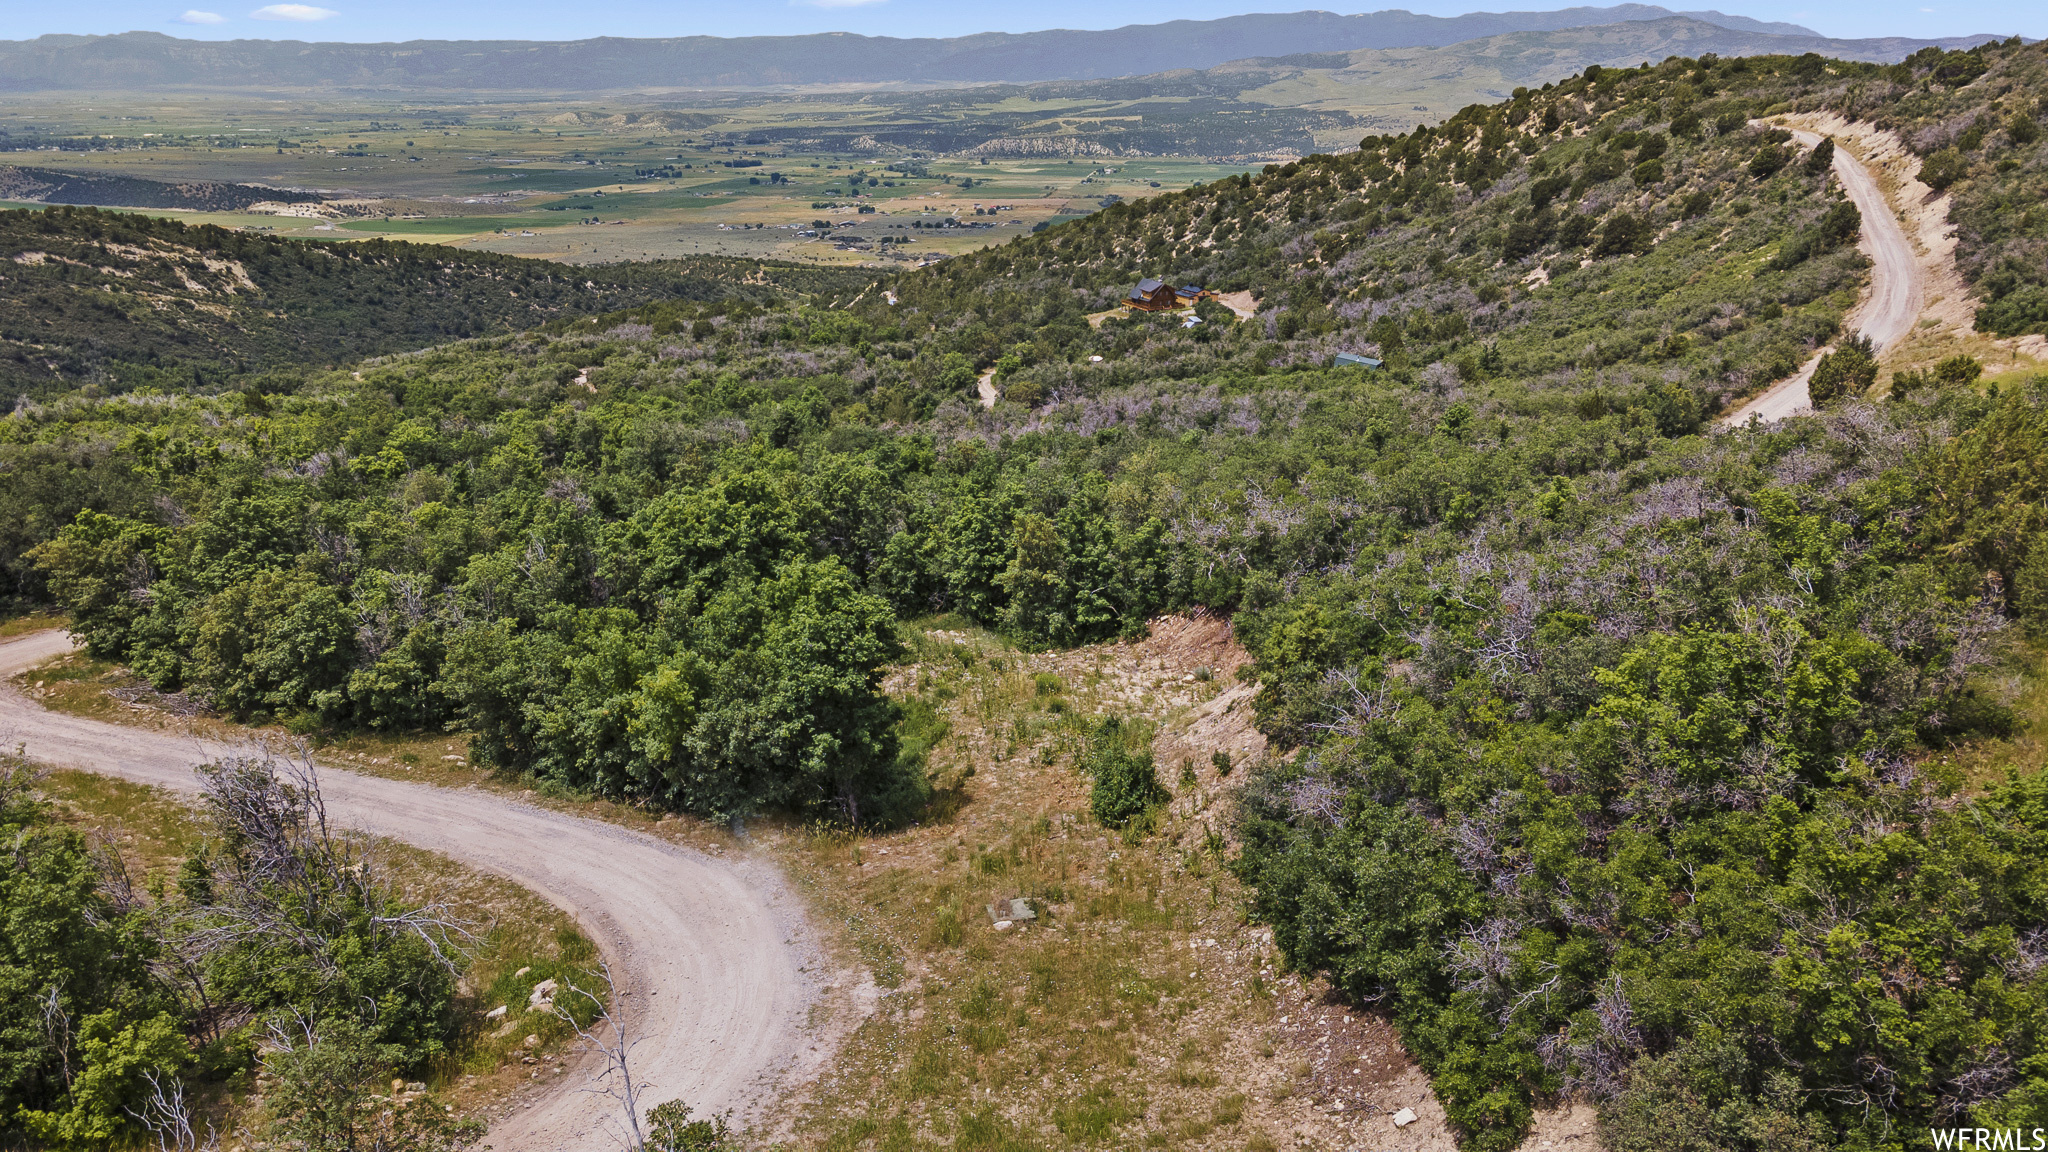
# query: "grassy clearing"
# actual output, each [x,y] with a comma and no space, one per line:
[2022,685]
[1138,1009]
[30,622]
[519,941]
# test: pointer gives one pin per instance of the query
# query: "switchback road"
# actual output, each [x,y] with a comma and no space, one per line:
[711,955]
[1897,293]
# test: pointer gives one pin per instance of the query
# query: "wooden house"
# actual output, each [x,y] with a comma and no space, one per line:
[1153,295]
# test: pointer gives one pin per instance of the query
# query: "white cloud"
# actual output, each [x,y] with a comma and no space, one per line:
[303,13]
[836,3]
[195,16]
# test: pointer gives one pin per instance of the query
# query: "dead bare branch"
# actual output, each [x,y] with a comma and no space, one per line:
[168,1117]
[608,1034]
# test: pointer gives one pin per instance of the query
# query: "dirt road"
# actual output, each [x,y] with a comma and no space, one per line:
[1887,312]
[710,955]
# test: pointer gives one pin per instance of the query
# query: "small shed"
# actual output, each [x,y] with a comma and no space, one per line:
[1353,360]
[1152,295]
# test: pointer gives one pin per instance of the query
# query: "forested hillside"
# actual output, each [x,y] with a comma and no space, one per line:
[1630,223]
[122,301]
[51,186]
[1617,742]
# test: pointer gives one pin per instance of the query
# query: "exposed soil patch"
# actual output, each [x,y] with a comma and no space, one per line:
[1240,304]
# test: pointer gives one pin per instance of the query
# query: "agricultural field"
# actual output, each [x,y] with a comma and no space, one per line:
[590,182]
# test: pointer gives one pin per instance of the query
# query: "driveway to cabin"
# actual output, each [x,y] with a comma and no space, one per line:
[710,956]
[1898,287]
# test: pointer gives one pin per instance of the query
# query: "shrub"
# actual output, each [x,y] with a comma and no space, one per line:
[670,1129]
[1848,369]
[1768,160]
[1126,784]
[325,1091]
[1026,392]
[2015,311]
[1838,226]
[1821,158]
[1958,371]
[1707,1096]
[1943,169]
[1906,383]
[1547,189]
[1625,234]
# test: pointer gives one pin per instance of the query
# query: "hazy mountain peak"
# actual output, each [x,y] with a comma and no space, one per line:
[154,60]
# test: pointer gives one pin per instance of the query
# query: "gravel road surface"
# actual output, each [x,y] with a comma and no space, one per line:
[710,955]
[1897,291]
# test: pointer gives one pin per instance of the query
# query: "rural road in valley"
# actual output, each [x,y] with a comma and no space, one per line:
[1897,290]
[710,955]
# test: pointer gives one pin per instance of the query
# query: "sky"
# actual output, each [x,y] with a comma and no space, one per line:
[384,20]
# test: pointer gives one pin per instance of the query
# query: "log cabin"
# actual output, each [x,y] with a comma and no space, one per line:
[1152,295]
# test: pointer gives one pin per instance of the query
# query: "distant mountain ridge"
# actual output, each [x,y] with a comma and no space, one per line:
[155,61]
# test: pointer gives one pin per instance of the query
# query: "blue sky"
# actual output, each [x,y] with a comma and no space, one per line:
[371,20]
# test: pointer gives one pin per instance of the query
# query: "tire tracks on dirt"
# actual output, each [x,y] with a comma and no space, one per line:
[713,958]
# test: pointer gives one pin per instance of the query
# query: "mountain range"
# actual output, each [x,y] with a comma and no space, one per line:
[151,60]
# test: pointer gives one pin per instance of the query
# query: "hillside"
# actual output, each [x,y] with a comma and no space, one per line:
[148,60]
[1631,223]
[123,301]
[1690,774]
[49,186]
[1279,105]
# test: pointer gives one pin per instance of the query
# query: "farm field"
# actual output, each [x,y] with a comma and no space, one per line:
[815,173]
[586,181]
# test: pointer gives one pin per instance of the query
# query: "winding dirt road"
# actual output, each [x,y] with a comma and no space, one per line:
[1887,312]
[710,955]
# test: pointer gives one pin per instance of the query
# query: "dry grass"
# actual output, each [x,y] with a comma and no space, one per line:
[1983,764]
[31,622]
[1139,1009]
